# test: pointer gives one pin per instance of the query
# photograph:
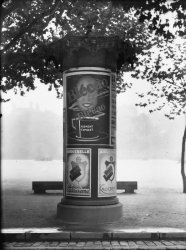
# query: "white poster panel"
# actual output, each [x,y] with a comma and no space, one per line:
[107,185]
[78,172]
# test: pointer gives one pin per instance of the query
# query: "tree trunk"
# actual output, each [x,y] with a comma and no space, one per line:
[183,161]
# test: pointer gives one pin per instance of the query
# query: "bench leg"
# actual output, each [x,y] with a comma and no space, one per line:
[39,191]
[129,190]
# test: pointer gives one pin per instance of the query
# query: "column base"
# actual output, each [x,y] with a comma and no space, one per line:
[72,214]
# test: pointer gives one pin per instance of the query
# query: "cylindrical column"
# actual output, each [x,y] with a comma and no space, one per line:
[90,187]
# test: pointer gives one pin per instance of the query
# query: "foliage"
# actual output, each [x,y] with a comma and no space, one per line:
[164,67]
[152,10]
[30,27]
[163,64]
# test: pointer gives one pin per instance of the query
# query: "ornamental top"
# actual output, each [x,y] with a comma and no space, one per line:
[98,42]
[91,51]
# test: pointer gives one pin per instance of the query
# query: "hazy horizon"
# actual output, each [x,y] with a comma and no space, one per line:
[32,127]
[30,133]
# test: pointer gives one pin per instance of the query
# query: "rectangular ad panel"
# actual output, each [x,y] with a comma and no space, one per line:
[88,108]
[113,110]
[107,185]
[78,179]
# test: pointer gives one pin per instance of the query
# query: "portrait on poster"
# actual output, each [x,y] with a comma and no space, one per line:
[78,172]
[88,105]
[107,185]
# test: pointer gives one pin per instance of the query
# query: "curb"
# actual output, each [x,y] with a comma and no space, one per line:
[85,236]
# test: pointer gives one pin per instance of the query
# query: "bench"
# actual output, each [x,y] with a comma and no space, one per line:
[39,187]
[128,186]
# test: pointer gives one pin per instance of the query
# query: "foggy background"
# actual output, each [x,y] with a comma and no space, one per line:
[148,145]
[32,133]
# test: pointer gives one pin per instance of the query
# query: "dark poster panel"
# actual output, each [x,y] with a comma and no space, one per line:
[88,108]
[113,110]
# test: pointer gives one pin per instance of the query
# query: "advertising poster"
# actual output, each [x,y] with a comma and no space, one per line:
[107,185]
[78,172]
[88,108]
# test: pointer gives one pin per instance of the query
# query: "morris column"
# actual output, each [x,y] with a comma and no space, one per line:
[89,177]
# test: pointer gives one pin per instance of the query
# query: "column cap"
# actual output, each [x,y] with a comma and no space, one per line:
[92,51]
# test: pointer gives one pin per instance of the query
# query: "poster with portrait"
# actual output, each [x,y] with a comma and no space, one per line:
[88,104]
[107,185]
[78,180]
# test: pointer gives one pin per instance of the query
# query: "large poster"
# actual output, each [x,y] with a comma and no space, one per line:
[107,185]
[78,172]
[88,104]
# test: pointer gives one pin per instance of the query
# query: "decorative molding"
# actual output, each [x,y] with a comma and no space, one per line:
[92,44]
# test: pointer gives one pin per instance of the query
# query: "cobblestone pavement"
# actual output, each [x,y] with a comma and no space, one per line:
[91,245]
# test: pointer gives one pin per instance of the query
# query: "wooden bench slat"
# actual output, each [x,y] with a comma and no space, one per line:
[125,184]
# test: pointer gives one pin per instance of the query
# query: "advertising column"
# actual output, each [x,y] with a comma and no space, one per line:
[90,133]
[89,65]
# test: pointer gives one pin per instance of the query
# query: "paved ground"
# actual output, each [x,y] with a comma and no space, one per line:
[152,219]
[53,238]
[154,207]
[91,245]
